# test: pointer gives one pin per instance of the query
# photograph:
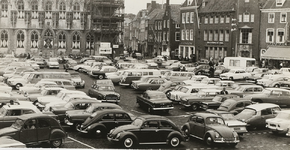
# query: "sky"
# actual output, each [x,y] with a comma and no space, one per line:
[134,6]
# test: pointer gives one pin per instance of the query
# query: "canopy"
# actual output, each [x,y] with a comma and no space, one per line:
[277,53]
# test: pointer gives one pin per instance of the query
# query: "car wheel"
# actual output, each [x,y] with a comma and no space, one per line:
[174,141]
[231,78]
[208,140]
[194,107]
[128,142]
[101,77]
[186,131]
[56,143]
[18,85]
[77,126]
[99,132]
[277,86]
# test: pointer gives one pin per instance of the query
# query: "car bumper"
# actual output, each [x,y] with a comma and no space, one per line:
[67,122]
[124,84]
[82,131]
[277,129]
[53,66]
[111,101]
[184,103]
[226,141]
[224,78]
[112,139]
[163,108]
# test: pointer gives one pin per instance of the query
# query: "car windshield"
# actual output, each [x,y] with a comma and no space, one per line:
[137,122]
[214,120]
[283,115]
[227,116]
[159,96]
[105,88]
[232,71]
[184,89]
[17,124]
[217,99]
[246,113]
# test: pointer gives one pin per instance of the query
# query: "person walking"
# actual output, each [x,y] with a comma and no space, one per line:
[211,69]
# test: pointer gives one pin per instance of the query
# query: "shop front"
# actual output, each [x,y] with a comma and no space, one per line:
[276,57]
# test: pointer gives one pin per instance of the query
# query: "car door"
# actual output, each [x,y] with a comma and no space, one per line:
[108,120]
[265,114]
[43,130]
[165,129]
[196,123]
[149,132]
[28,133]
[10,117]
[283,98]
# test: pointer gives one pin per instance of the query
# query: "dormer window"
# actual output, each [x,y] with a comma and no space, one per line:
[280,2]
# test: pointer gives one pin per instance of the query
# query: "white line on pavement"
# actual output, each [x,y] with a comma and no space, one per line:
[81,143]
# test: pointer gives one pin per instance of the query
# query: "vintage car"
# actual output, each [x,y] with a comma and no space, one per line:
[194,101]
[150,84]
[285,71]
[235,74]
[211,128]
[154,101]
[194,79]
[258,74]
[115,77]
[177,75]
[32,129]
[168,86]
[76,104]
[9,112]
[17,73]
[104,90]
[257,114]
[174,66]
[102,121]
[281,84]
[65,83]
[216,101]
[220,70]
[142,79]
[7,142]
[271,80]
[245,90]
[36,88]
[160,129]
[207,81]
[76,117]
[229,85]
[234,105]
[78,82]
[238,126]
[40,62]
[272,95]
[47,92]
[101,72]
[53,63]
[201,70]
[281,123]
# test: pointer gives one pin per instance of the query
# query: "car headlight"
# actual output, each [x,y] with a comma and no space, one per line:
[235,134]
[89,127]
[217,135]
[118,135]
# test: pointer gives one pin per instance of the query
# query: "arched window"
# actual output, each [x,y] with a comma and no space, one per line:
[48,39]
[4,8]
[48,10]
[34,9]
[76,11]
[76,44]
[90,41]
[62,10]
[20,8]
[34,39]
[62,41]
[20,39]
[4,39]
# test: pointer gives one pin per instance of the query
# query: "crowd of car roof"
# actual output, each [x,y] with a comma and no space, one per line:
[228,104]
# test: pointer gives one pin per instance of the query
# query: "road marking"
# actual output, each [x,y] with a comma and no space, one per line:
[81,143]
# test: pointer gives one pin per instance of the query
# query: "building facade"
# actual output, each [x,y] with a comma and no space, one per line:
[52,27]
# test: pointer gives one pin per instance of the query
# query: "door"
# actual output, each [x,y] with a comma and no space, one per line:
[149,132]
[28,133]
[165,129]
[199,127]
[108,120]
[43,130]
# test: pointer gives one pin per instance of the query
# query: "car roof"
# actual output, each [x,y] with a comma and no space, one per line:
[206,115]
[105,104]
[56,80]
[154,92]
[53,88]
[277,89]
[153,117]
[34,115]
[249,85]
[259,107]
[237,100]
[71,91]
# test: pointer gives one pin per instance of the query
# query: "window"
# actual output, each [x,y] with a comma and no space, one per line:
[205,20]
[240,18]
[205,35]
[156,25]
[227,19]
[76,43]
[108,117]
[191,17]
[20,39]
[246,17]
[177,36]
[227,35]
[252,17]
[34,9]
[211,20]
[43,123]
[15,112]
[216,19]
[62,40]
[76,11]
[240,105]
[183,17]
[164,36]
[20,8]
[151,125]
[270,36]
[168,36]
[283,18]
[246,1]
[271,17]
[280,2]
[187,17]
[183,35]
[4,8]
[221,35]
[4,39]
[246,36]
[187,35]
[122,117]
[280,35]
[168,23]
[90,41]
[210,35]
[48,10]
[191,34]
[165,125]
[62,10]
[222,19]
[206,52]
[164,23]
[34,39]
[216,35]
[177,25]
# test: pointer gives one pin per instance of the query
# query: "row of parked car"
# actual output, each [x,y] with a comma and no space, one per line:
[41,107]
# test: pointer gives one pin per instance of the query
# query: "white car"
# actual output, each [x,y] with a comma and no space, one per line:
[285,71]
[53,63]
[235,74]
[271,80]
[35,88]
[281,123]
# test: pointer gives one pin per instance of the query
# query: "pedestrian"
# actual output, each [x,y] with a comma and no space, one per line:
[224,91]
[211,69]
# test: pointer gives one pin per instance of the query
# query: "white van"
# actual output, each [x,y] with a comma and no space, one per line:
[239,62]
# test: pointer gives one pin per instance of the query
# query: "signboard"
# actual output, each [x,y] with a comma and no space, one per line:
[105,44]
[105,48]
[115,46]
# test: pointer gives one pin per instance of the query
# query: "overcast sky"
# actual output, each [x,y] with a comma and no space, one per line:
[134,6]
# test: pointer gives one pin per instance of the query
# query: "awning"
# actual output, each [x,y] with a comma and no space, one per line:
[277,53]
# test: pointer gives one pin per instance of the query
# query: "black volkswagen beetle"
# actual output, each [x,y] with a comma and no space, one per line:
[148,129]
[32,129]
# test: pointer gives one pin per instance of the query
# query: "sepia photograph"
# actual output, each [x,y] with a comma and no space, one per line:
[145,74]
